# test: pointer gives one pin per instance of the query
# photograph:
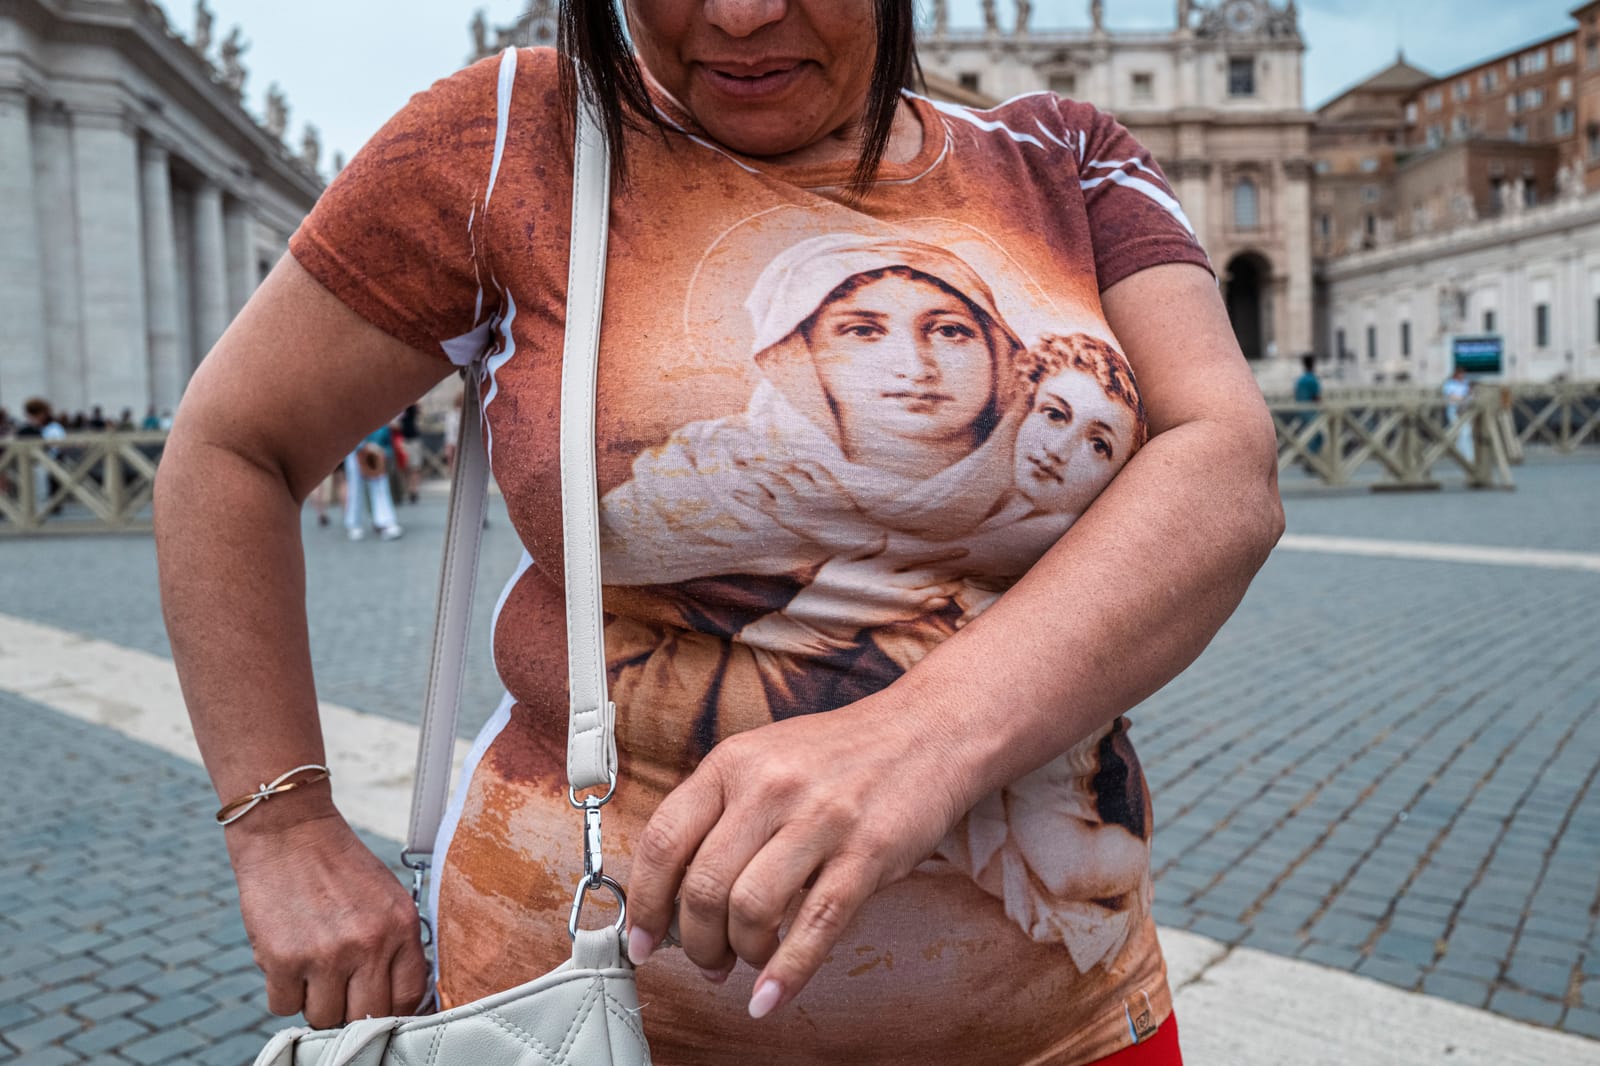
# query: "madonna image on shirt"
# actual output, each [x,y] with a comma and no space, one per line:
[904,455]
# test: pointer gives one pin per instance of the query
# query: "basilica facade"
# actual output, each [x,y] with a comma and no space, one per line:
[1217,98]
[140,203]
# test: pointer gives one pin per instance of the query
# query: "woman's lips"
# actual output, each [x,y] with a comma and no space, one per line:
[752,86]
[919,403]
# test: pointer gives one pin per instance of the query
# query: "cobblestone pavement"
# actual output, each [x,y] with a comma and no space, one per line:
[1384,765]
[120,938]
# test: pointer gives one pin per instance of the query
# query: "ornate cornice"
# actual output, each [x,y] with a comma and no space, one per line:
[1183,169]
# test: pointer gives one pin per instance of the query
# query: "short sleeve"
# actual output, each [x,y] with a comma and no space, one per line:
[392,235]
[1135,220]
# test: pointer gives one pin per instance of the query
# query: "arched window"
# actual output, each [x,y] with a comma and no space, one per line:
[1246,205]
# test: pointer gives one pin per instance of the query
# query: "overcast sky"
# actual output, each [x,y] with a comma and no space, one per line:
[347,65]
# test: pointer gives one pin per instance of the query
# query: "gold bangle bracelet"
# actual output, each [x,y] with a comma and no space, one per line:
[287,782]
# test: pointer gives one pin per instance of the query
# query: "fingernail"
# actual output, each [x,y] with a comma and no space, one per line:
[640,945]
[767,995]
[716,977]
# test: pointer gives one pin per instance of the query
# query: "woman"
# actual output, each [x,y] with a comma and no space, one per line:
[447,237]
[885,363]
[885,367]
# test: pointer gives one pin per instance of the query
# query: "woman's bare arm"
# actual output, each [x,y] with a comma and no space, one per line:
[295,382]
[835,806]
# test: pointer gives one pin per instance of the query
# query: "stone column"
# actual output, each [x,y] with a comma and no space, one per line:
[210,268]
[111,264]
[24,367]
[241,255]
[1294,213]
[167,374]
[56,204]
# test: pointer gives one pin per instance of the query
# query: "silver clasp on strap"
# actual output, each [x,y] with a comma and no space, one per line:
[584,888]
[594,877]
[419,862]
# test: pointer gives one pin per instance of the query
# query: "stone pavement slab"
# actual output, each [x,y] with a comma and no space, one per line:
[1382,765]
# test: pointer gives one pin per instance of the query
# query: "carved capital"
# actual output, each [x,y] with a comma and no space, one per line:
[1183,169]
[1298,169]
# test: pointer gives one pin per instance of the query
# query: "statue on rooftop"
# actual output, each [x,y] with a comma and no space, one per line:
[991,18]
[233,71]
[204,19]
[1097,15]
[277,112]
[480,33]
[311,148]
[1024,15]
[941,17]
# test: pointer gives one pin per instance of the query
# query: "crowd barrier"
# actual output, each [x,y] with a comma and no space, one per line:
[104,482]
[1398,438]
[1409,438]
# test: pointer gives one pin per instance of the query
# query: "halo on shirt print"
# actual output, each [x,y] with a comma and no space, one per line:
[925,420]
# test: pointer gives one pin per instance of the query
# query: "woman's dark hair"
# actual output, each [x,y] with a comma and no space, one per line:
[592,33]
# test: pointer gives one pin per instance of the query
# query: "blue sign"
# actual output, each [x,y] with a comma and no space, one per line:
[1481,353]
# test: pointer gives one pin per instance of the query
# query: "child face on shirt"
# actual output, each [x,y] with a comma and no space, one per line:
[1073,441]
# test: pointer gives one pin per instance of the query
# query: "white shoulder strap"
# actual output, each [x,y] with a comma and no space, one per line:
[591,738]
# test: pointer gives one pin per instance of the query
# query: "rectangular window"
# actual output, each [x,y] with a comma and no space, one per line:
[1488,322]
[1411,113]
[1339,346]
[1435,100]
[968,81]
[1541,325]
[1532,99]
[1459,127]
[1511,70]
[1489,80]
[1242,76]
[1144,86]
[1566,122]
[1462,90]
[1564,88]
[1513,103]
[1565,51]
[1594,142]
[1518,131]
[1591,54]
[1405,339]
[1064,84]
[1435,135]
[1372,343]
[1324,226]
[1534,62]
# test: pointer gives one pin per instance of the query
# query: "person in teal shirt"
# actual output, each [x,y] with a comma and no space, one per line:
[1308,389]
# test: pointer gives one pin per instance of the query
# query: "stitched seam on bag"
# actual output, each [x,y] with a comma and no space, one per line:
[533,1043]
[433,1049]
[629,1021]
[594,994]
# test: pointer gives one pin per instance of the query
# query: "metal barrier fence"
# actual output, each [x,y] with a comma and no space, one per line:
[1390,439]
[1401,438]
[1395,442]
[83,483]
[1565,416]
[105,482]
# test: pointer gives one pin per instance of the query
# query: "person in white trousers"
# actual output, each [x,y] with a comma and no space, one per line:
[374,489]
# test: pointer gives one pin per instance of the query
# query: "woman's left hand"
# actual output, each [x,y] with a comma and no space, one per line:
[822,809]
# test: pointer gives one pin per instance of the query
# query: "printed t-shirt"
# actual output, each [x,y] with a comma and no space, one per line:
[829,435]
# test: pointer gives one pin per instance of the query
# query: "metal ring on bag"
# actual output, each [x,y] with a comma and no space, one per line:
[584,888]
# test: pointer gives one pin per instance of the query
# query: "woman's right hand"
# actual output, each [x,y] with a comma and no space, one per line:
[335,933]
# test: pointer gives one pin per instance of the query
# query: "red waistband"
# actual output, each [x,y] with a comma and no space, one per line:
[1160,1050]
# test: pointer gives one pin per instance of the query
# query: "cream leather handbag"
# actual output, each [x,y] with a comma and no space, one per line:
[586,1011]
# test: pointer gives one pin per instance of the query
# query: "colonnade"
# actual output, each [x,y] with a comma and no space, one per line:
[120,263]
